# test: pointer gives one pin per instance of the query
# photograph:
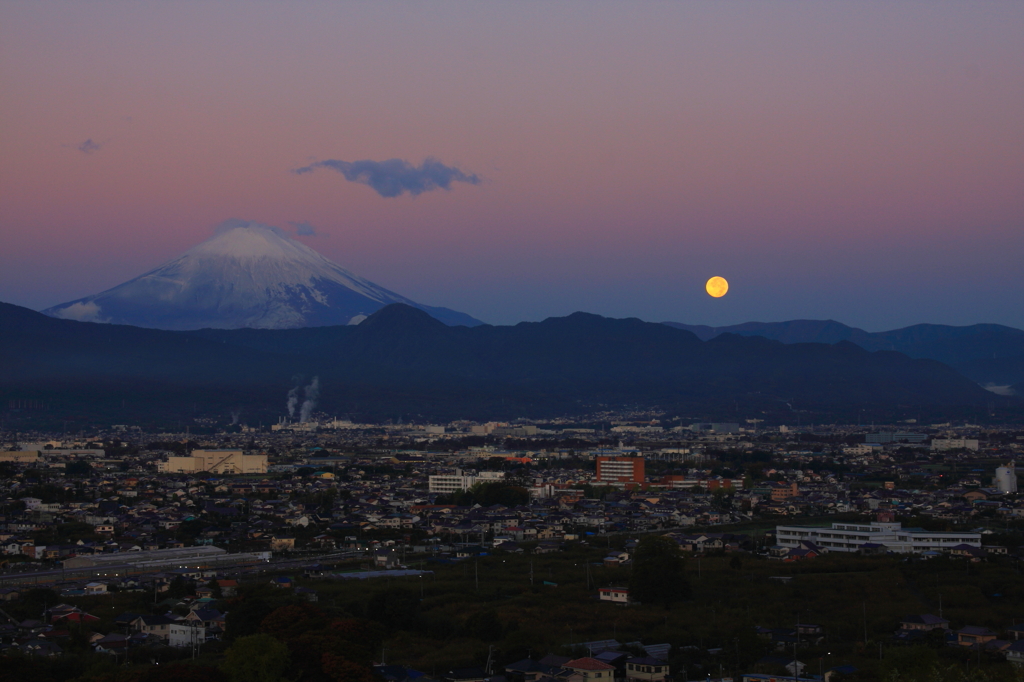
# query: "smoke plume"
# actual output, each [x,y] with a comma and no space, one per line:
[293,402]
[310,393]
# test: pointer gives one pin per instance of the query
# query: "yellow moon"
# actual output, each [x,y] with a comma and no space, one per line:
[717,287]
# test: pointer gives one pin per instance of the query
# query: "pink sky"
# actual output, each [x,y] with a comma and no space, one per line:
[856,161]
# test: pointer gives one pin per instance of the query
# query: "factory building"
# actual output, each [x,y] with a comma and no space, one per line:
[215,462]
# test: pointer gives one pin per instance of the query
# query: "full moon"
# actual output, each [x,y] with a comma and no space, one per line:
[717,287]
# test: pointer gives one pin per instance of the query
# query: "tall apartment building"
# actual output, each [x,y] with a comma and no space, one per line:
[620,470]
[215,462]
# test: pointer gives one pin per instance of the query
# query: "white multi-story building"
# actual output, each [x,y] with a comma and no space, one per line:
[185,635]
[1005,479]
[457,482]
[850,537]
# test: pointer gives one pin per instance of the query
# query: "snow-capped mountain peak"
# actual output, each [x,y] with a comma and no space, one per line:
[246,275]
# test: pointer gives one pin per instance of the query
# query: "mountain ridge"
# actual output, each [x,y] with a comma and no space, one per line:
[989,354]
[401,361]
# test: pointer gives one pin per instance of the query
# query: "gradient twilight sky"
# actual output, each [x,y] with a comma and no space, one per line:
[861,161]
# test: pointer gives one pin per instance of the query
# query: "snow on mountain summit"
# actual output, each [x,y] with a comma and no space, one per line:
[245,275]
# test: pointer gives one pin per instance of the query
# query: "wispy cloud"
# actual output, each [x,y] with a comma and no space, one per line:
[82,311]
[303,229]
[394,177]
[88,147]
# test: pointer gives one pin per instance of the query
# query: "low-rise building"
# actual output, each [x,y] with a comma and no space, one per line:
[850,537]
[215,462]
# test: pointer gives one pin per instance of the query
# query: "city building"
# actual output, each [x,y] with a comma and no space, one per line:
[215,462]
[620,470]
[20,456]
[954,444]
[898,437]
[851,537]
[717,427]
[1005,480]
[457,482]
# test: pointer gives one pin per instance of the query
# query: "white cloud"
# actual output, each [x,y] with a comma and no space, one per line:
[82,312]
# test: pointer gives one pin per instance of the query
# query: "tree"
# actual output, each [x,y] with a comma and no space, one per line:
[78,468]
[256,658]
[658,576]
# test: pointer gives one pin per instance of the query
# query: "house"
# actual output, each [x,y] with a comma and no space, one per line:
[528,670]
[112,643]
[61,611]
[228,587]
[974,635]
[646,669]
[77,617]
[205,617]
[41,647]
[125,619]
[614,559]
[1015,653]
[968,551]
[795,554]
[592,669]
[386,558]
[924,622]
[153,625]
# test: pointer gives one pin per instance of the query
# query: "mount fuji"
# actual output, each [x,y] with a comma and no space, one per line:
[245,275]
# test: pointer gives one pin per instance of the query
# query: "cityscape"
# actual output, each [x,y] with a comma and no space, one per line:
[151,540]
[462,341]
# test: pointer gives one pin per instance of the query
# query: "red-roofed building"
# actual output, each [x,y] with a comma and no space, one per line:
[614,594]
[592,669]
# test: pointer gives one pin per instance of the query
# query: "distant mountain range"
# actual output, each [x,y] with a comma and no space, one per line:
[401,361]
[245,275]
[990,354]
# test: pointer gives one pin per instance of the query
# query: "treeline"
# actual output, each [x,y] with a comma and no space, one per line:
[487,494]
